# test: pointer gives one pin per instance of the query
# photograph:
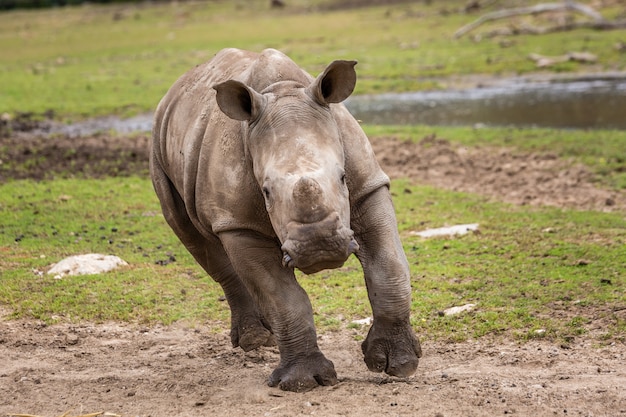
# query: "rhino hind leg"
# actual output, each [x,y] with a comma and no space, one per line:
[249,330]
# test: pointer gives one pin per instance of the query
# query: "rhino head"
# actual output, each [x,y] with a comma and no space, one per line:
[297,157]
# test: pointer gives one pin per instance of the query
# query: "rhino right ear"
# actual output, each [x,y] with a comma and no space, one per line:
[238,101]
[335,84]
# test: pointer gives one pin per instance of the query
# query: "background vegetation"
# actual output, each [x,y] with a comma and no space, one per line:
[36,4]
[94,60]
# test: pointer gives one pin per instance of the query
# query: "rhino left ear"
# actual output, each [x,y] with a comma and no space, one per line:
[238,101]
[335,84]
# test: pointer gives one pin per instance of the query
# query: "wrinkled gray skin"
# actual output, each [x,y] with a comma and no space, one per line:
[259,172]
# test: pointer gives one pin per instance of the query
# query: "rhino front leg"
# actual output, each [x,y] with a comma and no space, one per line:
[391,345]
[283,302]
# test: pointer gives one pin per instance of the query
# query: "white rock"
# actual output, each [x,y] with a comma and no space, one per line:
[459,229]
[366,321]
[460,309]
[91,263]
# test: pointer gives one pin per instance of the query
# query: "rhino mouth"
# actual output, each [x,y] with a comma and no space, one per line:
[313,260]
[311,247]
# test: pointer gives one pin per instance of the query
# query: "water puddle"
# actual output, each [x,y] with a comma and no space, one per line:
[587,102]
[562,103]
[135,124]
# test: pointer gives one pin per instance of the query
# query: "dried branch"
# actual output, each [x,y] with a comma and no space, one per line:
[539,8]
[543,61]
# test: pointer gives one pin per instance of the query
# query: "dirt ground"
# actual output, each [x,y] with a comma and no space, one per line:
[176,371]
[130,370]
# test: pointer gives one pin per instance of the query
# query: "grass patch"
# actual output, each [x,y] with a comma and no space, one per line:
[47,221]
[527,269]
[93,60]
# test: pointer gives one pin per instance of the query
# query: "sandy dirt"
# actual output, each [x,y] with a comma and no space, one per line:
[176,371]
[130,370]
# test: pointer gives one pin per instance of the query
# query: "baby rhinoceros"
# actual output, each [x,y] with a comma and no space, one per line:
[260,170]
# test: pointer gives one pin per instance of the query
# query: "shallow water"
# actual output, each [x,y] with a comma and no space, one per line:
[580,103]
[589,102]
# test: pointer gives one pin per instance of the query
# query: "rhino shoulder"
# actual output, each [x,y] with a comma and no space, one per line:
[364,174]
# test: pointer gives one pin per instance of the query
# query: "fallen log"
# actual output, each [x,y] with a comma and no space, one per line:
[598,21]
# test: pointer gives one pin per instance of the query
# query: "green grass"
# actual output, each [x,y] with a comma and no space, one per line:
[45,222]
[567,281]
[94,60]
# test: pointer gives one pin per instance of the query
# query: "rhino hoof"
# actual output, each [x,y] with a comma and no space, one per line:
[395,353]
[255,338]
[305,374]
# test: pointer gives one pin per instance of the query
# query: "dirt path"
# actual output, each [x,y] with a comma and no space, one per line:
[177,371]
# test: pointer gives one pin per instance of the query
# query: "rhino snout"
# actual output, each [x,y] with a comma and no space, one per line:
[313,247]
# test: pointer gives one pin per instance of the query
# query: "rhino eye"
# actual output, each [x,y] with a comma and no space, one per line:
[266,193]
[343,178]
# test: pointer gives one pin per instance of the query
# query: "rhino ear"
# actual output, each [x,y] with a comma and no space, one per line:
[238,101]
[335,84]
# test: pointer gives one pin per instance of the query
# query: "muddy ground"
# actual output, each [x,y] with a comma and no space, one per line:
[121,369]
[519,178]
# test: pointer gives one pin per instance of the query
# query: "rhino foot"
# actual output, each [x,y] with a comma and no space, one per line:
[304,374]
[251,335]
[394,350]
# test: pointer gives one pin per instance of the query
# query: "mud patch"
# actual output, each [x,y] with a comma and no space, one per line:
[23,156]
[500,174]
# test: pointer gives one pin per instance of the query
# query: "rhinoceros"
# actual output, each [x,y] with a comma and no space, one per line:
[260,169]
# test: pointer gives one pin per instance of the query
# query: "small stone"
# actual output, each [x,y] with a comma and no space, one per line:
[88,264]
[460,309]
[71,339]
[364,322]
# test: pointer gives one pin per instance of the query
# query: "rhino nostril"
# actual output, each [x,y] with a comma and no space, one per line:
[287,261]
